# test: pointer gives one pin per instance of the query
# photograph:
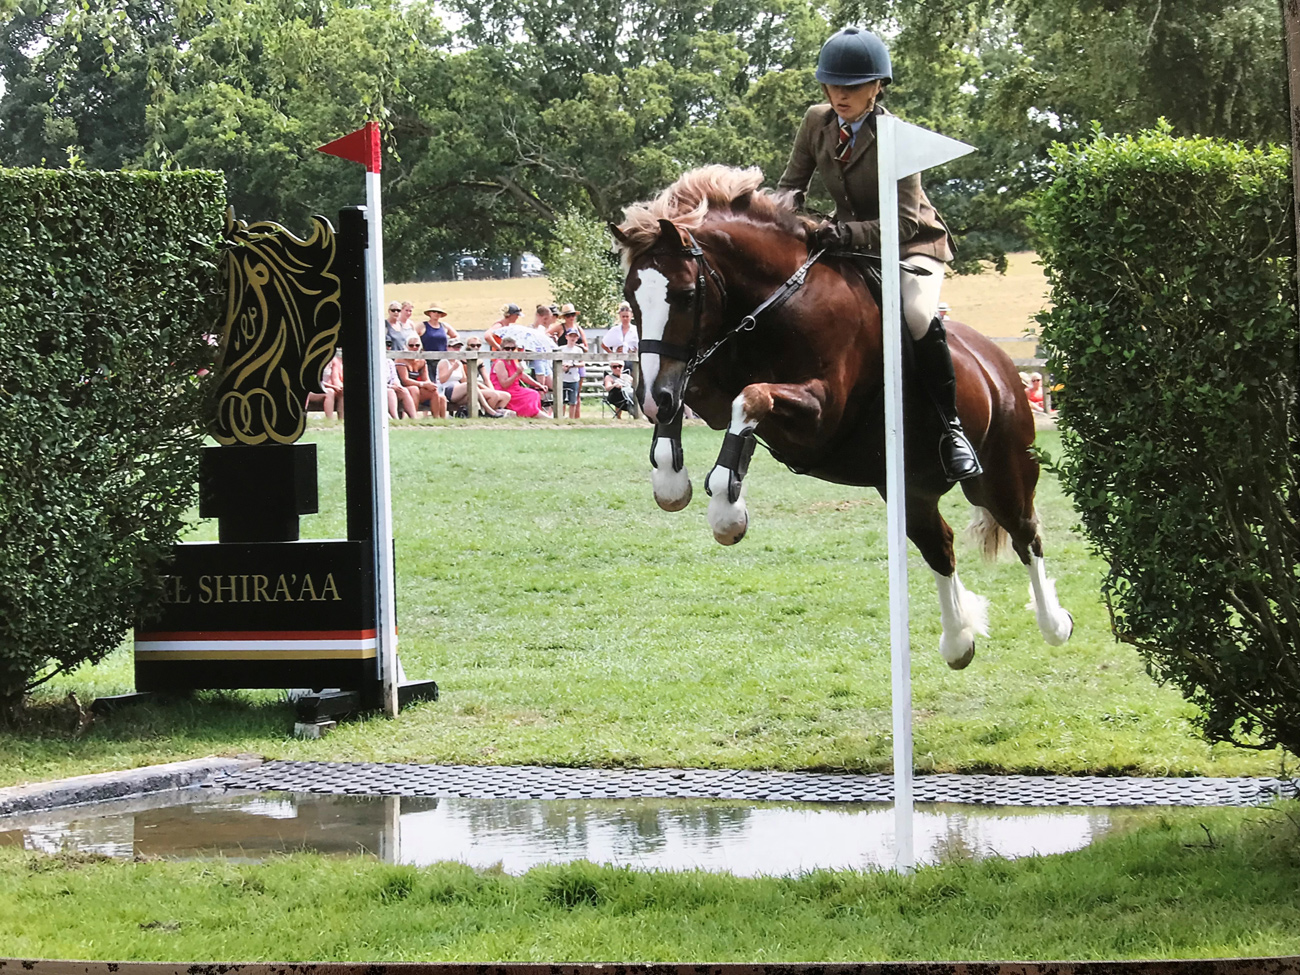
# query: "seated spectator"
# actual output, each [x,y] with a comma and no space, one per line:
[396,332]
[433,331]
[945,311]
[399,397]
[572,376]
[331,379]
[455,386]
[414,375]
[509,316]
[508,375]
[535,338]
[618,389]
[622,337]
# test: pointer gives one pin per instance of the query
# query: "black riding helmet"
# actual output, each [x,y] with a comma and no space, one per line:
[853,56]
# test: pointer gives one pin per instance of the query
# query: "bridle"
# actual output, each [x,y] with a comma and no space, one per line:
[691,353]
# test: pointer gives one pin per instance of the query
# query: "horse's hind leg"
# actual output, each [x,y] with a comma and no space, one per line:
[799,403]
[668,475]
[1004,498]
[962,614]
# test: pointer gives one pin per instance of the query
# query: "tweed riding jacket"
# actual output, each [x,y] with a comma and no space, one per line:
[854,186]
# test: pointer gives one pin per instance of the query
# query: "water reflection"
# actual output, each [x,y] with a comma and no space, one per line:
[746,839]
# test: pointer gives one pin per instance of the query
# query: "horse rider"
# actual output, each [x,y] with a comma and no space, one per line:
[838,139]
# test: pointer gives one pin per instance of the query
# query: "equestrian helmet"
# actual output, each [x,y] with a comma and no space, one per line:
[853,56]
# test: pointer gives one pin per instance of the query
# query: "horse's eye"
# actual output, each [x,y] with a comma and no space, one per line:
[680,298]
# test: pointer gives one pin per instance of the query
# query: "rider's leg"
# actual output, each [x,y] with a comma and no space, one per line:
[920,300]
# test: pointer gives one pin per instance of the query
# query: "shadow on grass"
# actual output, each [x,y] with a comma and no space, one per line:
[48,733]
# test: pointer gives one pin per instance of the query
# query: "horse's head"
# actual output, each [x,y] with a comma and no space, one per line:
[674,291]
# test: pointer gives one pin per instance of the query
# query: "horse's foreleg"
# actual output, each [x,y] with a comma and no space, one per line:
[793,402]
[668,475]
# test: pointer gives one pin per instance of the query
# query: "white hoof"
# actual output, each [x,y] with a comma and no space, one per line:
[728,521]
[672,488]
[958,648]
[1057,629]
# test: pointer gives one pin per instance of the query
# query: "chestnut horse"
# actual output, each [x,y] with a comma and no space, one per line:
[807,376]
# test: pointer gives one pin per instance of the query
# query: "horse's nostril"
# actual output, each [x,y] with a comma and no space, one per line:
[664,401]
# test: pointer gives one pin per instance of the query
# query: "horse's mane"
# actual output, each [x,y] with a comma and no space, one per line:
[689,200]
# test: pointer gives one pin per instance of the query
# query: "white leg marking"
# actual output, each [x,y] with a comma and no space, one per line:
[652,299]
[729,521]
[963,615]
[672,488]
[1055,623]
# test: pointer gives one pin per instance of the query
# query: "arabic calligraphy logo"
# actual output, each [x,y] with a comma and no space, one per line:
[282,327]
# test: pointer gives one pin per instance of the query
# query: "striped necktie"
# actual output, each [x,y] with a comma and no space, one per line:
[846,142]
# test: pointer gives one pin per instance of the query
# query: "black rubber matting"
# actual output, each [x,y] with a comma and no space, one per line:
[549,782]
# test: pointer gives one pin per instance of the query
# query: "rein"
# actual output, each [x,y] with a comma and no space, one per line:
[691,354]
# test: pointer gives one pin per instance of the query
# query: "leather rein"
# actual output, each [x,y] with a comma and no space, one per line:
[691,353]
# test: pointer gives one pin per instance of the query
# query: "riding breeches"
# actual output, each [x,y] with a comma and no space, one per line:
[920,293]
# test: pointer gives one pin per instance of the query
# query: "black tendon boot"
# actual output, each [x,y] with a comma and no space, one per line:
[934,369]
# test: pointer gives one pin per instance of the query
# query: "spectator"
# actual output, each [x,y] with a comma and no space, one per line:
[570,316]
[945,311]
[399,397]
[455,386]
[535,338]
[331,380]
[618,389]
[397,335]
[404,318]
[433,332]
[544,318]
[622,337]
[572,375]
[508,375]
[1034,393]
[414,375]
[509,316]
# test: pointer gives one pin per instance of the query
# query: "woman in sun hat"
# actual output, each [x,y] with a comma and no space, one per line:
[838,140]
[433,332]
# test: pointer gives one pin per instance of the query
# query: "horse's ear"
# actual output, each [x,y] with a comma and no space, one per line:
[622,239]
[741,203]
[675,233]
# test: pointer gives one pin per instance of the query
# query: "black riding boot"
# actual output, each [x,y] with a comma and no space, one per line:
[934,369]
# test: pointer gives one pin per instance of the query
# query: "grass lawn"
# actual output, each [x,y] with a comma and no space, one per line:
[1200,883]
[569,621]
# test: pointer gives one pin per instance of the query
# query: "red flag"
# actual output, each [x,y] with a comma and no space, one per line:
[361,146]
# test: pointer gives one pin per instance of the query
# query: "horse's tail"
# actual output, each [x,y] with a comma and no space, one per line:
[986,533]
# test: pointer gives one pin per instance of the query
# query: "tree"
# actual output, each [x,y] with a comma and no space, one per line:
[583,270]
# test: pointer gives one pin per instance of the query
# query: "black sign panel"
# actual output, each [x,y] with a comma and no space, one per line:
[262,614]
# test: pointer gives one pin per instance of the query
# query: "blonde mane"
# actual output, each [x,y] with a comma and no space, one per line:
[689,200]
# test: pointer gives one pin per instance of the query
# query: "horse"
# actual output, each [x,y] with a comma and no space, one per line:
[805,373]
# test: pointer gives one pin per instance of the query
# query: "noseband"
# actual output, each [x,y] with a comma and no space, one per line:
[691,354]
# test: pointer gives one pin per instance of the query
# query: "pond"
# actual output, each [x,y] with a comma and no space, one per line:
[742,838]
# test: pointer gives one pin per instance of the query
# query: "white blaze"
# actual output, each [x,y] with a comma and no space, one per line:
[652,299]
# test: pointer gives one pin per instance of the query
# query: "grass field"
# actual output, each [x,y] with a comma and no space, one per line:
[569,621]
[995,304]
[1198,884]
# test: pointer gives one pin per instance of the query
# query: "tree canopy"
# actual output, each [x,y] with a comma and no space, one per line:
[500,116]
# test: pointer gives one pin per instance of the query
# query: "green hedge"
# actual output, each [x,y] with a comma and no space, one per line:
[107,284]
[1174,330]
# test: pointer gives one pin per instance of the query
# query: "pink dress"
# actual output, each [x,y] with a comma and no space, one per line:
[523,400]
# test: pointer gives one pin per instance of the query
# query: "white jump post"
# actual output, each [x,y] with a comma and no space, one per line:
[903,150]
[363,146]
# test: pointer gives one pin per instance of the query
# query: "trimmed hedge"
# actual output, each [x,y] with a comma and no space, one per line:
[107,285]
[1174,330]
